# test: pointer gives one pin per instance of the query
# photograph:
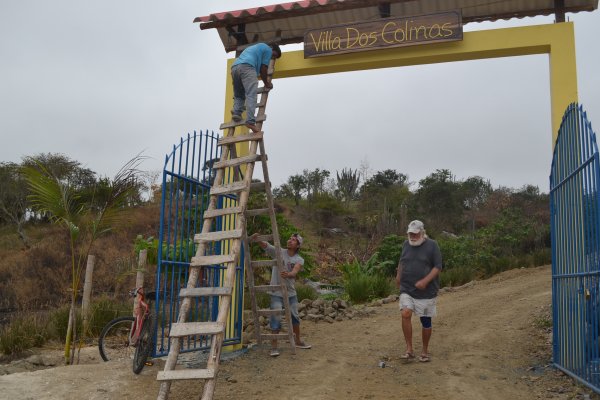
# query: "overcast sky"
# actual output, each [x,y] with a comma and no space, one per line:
[102,81]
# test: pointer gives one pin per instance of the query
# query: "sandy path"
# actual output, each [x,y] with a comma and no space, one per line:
[485,346]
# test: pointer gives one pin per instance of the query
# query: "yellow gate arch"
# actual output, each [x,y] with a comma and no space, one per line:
[556,40]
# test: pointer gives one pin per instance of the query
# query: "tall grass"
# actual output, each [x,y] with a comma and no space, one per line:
[362,285]
[24,332]
[456,276]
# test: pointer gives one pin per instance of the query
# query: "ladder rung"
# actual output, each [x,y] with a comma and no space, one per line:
[196,328]
[185,374]
[274,336]
[268,311]
[264,238]
[211,260]
[216,236]
[219,212]
[266,288]
[262,90]
[237,161]
[233,124]
[263,263]
[257,211]
[206,291]
[256,186]
[239,138]
[228,189]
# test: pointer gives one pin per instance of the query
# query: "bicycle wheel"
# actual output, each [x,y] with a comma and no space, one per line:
[144,347]
[114,339]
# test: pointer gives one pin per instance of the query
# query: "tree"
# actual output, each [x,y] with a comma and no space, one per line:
[347,184]
[62,201]
[439,198]
[13,198]
[385,179]
[383,198]
[475,192]
[298,185]
[315,182]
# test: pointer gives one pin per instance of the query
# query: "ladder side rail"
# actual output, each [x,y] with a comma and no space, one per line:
[277,244]
[225,302]
[250,281]
[175,346]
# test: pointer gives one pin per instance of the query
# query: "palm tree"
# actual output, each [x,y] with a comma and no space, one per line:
[84,218]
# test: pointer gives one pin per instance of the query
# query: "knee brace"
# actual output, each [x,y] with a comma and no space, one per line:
[426,322]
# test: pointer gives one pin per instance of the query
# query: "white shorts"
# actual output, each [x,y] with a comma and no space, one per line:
[421,307]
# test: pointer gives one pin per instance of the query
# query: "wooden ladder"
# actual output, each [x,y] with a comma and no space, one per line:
[223,185]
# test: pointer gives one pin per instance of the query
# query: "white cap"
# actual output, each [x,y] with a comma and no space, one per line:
[415,226]
[299,239]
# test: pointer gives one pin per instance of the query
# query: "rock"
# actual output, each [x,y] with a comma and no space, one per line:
[329,310]
[329,319]
[314,317]
[318,302]
[247,337]
[35,359]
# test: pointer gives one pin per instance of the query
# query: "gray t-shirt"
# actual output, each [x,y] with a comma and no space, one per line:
[288,264]
[417,262]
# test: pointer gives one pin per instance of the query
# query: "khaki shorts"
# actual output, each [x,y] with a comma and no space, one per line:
[421,307]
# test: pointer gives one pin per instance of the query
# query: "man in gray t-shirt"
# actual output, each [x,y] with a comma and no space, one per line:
[418,279]
[292,265]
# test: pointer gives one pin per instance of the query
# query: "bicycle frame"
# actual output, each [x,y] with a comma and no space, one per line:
[141,312]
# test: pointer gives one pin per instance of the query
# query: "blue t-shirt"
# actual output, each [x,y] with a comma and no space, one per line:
[255,55]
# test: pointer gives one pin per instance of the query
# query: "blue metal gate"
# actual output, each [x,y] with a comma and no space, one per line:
[575,228]
[187,177]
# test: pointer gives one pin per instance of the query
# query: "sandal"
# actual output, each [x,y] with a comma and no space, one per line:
[407,356]
[424,358]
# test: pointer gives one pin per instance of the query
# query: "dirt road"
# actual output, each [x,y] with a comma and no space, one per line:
[487,343]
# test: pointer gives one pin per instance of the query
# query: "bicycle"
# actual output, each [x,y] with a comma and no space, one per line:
[122,334]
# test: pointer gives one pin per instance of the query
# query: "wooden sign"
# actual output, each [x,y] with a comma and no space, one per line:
[383,33]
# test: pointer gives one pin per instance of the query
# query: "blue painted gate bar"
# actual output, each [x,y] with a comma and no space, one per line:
[575,232]
[187,178]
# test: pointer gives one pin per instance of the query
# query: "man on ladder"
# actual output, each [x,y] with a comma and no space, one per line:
[292,266]
[253,61]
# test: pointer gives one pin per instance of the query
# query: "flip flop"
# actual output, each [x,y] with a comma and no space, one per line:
[424,358]
[407,356]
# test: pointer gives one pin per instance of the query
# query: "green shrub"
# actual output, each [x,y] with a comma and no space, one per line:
[59,320]
[456,276]
[263,300]
[22,333]
[542,257]
[358,287]
[381,286]
[306,292]
[388,254]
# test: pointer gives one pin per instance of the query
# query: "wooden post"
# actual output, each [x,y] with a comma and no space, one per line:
[139,277]
[87,292]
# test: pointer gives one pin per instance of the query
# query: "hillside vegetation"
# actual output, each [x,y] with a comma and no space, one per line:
[353,227]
